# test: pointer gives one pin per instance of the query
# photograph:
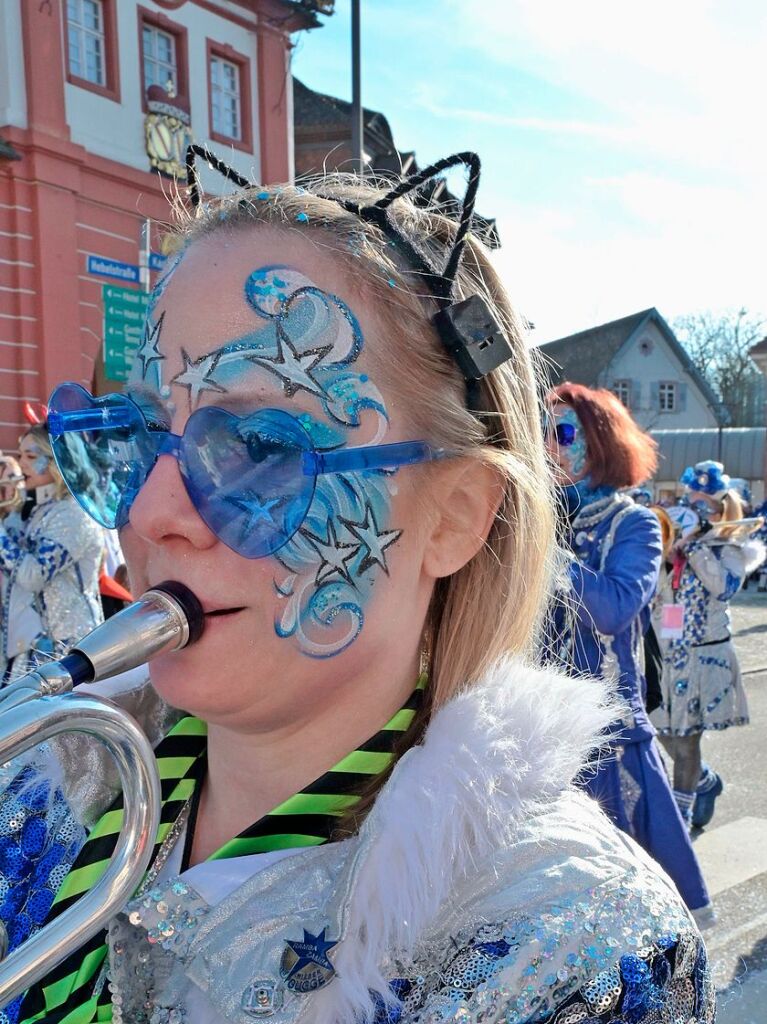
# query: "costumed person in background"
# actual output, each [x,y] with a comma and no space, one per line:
[597,449]
[50,554]
[11,485]
[701,681]
[760,512]
[369,813]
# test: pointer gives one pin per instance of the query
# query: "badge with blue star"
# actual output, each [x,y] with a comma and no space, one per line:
[305,965]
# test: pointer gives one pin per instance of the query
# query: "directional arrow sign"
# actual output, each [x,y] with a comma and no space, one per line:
[124,312]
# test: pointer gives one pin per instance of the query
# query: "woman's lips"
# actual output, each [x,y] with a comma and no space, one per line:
[218,613]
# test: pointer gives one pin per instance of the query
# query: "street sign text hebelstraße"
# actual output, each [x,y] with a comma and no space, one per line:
[105,267]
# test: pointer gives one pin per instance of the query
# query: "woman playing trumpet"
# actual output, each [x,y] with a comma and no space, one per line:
[368,805]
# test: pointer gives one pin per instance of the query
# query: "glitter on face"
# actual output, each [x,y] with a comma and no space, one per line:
[307,340]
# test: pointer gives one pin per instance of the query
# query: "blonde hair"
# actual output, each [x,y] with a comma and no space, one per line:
[494,605]
[39,434]
[732,510]
[666,529]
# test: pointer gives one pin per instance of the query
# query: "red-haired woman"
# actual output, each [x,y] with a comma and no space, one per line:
[598,451]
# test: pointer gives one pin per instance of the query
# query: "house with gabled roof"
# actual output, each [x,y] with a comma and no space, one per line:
[640,359]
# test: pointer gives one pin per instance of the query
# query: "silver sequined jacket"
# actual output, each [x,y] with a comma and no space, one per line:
[482,888]
[50,565]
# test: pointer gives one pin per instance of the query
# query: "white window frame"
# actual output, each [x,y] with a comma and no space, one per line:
[622,391]
[668,396]
[169,70]
[219,92]
[78,34]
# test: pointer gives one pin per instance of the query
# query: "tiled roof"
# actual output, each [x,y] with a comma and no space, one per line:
[583,356]
[742,450]
[319,117]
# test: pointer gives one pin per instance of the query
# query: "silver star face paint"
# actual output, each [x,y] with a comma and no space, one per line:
[304,342]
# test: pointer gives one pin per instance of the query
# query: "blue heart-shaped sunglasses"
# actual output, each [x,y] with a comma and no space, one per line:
[251,478]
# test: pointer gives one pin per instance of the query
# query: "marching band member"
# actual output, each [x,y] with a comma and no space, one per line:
[701,682]
[368,804]
[50,553]
[598,449]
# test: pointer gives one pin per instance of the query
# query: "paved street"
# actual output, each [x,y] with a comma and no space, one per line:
[733,851]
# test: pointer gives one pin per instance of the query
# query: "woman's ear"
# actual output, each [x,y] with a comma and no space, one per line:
[467,497]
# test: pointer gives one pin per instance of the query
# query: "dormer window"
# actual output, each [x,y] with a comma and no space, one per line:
[667,397]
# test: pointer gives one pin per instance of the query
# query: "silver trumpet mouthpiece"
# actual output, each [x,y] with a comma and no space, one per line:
[166,618]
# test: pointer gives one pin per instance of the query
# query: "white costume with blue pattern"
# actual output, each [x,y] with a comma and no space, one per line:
[701,682]
[50,567]
[482,887]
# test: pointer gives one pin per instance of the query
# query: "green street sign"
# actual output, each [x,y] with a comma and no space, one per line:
[124,312]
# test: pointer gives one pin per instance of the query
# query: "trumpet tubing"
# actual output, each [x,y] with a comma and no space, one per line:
[34,722]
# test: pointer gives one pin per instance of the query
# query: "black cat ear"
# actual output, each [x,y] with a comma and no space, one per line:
[193,179]
[467,329]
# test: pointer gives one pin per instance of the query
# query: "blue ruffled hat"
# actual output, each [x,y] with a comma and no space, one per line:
[707,477]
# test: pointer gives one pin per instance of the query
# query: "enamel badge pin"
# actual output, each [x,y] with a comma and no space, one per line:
[305,966]
[262,998]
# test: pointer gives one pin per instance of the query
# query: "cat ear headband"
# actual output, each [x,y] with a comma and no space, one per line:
[467,329]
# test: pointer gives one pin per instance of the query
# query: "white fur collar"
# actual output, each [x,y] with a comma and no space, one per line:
[516,739]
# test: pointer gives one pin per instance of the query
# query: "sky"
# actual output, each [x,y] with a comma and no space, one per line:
[624,146]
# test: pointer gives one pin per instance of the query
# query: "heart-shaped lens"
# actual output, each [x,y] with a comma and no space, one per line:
[103,450]
[245,476]
[566,434]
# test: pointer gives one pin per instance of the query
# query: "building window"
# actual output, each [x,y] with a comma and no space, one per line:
[229,97]
[622,390]
[91,46]
[163,50]
[160,64]
[225,99]
[667,396]
[85,29]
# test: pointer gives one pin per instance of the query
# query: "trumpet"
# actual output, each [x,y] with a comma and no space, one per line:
[39,706]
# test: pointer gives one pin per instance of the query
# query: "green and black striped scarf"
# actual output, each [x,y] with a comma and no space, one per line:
[66,995]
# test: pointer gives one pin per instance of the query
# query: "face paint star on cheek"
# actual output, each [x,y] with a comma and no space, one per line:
[373,540]
[336,556]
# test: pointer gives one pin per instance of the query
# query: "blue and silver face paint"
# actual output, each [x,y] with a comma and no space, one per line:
[308,340]
[147,364]
[574,455]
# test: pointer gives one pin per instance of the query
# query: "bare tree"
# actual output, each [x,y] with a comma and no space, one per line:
[718,345]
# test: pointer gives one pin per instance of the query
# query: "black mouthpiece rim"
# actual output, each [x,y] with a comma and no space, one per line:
[190,605]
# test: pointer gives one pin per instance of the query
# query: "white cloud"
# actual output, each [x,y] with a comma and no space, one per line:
[676,86]
[692,248]
[684,77]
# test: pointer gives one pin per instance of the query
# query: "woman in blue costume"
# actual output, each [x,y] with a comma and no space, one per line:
[368,814]
[598,449]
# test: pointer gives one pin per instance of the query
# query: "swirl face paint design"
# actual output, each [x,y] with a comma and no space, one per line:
[306,341]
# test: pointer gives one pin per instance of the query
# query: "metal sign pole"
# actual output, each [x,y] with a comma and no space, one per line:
[358,165]
[144,251]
